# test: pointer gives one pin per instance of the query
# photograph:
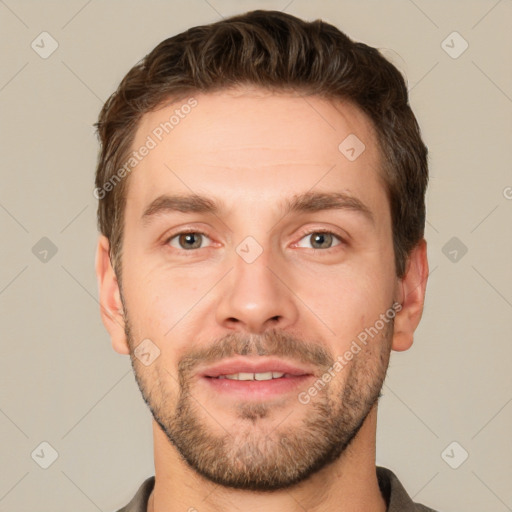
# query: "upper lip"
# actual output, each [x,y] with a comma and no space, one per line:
[245,365]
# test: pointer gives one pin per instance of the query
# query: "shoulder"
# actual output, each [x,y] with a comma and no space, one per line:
[140,501]
[396,496]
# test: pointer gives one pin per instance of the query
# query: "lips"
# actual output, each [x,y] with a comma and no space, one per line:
[256,378]
[261,365]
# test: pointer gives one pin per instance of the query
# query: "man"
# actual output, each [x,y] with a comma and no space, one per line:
[261,188]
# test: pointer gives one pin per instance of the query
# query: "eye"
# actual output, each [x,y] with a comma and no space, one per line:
[321,239]
[186,240]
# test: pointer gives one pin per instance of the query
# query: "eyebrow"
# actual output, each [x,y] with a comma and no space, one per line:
[299,203]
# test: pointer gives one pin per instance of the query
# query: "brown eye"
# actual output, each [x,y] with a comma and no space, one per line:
[187,240]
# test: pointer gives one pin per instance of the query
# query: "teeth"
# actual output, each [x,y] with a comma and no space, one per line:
[263,376]
[252,376]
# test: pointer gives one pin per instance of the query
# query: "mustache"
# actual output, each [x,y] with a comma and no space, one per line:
[271,343]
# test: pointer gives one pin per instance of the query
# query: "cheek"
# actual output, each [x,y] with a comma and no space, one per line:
[159,297]
[167,308]
[348,299]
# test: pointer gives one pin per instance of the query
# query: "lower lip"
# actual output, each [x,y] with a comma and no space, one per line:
[258,388]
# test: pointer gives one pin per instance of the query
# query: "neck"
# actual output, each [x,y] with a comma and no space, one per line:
[349,484]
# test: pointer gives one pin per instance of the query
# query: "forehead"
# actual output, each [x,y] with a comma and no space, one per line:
[250,144]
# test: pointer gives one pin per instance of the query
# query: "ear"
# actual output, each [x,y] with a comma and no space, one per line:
[111,307]
[411,295]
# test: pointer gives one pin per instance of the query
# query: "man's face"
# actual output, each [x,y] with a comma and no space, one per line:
[255,283]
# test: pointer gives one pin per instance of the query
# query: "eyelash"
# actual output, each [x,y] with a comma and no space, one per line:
[302,235]
[323,231]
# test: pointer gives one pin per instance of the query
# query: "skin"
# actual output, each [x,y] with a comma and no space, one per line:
[253,150]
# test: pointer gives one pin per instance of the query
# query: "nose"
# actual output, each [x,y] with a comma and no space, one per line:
[256,296]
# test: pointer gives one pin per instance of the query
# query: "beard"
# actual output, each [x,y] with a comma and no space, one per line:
[246,455]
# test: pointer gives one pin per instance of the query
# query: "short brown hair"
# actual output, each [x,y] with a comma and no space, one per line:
[278,52]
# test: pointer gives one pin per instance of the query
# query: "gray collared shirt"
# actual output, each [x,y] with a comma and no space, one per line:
[395,495]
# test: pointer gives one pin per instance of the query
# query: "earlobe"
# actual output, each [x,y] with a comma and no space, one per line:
[111,307]
[412,287]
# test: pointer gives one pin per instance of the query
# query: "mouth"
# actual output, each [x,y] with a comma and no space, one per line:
[262,378]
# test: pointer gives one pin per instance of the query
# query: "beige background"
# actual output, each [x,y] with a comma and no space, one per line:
[62,383]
